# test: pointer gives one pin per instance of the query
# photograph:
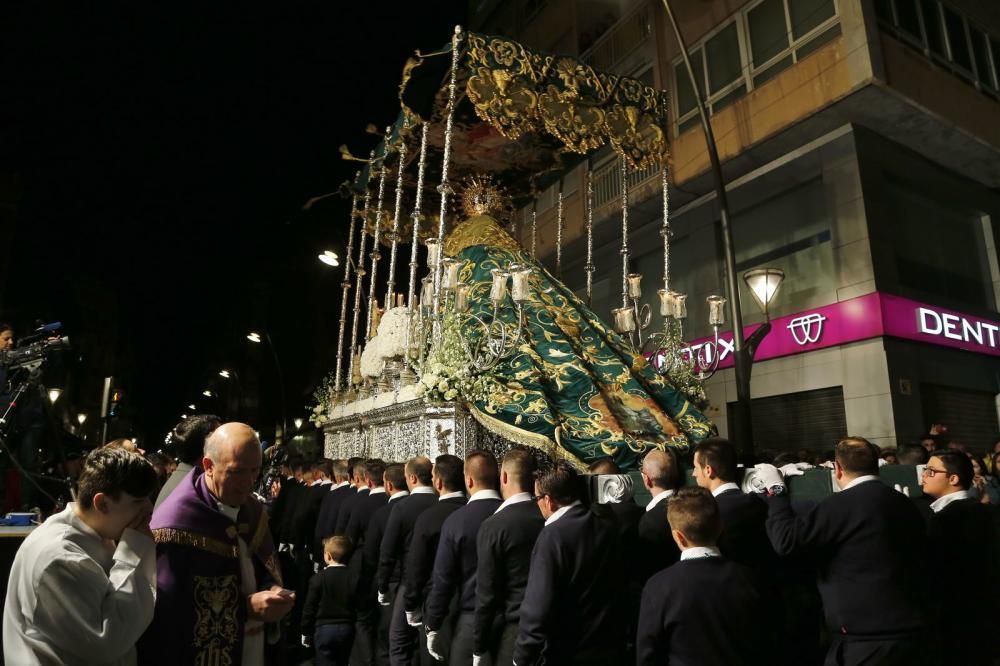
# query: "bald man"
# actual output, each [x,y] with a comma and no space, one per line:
[661,475]
[456,560]
[219,596]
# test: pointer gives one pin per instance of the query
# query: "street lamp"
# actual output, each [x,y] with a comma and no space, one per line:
[207,393]
[224,374]
[81,418]
[764,284]
[330,258]
[192,407]
[54,394]
[298,423]
[255,338]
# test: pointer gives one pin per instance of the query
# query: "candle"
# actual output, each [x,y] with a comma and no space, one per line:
[427,292]
[680,306]
[450,275]
[634,281]
[462,298]
[433,252]
[666,302]
[624,319]
[498,292]
[519,284]
[716,310]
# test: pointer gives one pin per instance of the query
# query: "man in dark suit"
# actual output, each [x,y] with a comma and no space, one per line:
[326,520]
[661,475]
[356,470]
[308,514]
[571,612]
[503,555]
[394,550]
[704,609]
[367,608]
[961,538]
[395,488]
[867,542]
[455,562]
[625,513]
[449,483]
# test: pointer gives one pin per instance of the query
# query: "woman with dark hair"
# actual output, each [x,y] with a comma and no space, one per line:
[984,486]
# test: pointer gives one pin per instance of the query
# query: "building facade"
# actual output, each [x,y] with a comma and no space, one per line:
[860,141]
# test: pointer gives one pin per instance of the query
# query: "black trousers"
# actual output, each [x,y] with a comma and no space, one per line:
[461,650]
[892,652]
[333,644]
[402,637]
[504,653]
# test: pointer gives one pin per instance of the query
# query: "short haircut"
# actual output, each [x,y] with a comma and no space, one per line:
[450,469]
[482,467]
[858,456]
[340,468]
[190,434]
[375,469]
[112,471]
[420,467]
[338,548]
[353,465]
[396,475]
[4,326]
[956,462]
[122,443]
[326,467]
[662,468]
[521,467]
[604,465]
[721,455]
[695,513]
[562,483]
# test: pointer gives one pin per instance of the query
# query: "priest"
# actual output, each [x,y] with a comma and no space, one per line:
[219,594]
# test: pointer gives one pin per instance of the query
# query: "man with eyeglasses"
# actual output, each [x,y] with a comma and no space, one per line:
[867,543]
[962,535]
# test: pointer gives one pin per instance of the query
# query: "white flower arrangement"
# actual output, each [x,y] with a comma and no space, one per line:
[373,358]
[392,332]
[323,395]
[447,374]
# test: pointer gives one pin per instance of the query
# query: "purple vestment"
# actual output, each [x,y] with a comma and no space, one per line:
[200,606]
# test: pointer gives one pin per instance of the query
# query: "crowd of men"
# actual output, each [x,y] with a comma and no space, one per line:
[497,562]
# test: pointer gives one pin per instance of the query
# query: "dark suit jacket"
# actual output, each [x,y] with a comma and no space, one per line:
[503,554]
[372,544]
[701,611]
[304,523]
[361,514]
[868,545]
[295,493]
[326,521]
[656,549]
[398,532]
[455,562]
[344,515]
[744,532]
[572,610]
[423,548]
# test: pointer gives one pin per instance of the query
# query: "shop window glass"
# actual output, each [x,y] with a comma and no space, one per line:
[808,14]
[722,56]
[768,33]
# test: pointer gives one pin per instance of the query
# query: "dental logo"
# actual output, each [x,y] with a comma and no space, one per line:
[807,328]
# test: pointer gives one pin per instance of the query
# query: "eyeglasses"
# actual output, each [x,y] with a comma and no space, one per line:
[930,471]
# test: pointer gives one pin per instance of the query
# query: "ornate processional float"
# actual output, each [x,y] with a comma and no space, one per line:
[484,347]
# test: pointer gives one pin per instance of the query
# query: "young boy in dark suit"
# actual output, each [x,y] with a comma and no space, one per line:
[331,606]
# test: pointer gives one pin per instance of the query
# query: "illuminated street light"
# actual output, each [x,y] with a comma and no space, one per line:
[54,394]
[207,393]
[298,423]
[224,374]
[253,336]
[192,407]
[81,417]
[330,258]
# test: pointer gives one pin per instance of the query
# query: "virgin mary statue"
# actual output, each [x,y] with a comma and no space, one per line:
[572,387]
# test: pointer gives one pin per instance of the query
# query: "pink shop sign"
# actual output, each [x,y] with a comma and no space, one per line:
[862,318]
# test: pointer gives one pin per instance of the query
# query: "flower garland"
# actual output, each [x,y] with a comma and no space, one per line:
[447,374]
[323,395]
[681,373]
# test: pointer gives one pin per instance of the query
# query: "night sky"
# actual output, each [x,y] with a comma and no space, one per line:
[163,153]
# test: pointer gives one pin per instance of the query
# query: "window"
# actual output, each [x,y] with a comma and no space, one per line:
[768,32]
[807,15]
[722,58]
[943,34]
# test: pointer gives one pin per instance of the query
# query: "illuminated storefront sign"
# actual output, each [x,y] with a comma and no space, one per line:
[870,316]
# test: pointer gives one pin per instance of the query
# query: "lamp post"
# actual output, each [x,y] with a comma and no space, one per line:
[743,349]
[255,337]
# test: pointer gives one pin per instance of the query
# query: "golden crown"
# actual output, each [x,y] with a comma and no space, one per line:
[483,197]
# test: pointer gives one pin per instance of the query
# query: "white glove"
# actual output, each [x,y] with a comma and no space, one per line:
[305,641]
[793,469]
[763,478]
[476,659]
[431,645]
[882,461]
[902,489]
[316,568]
[383,599]
[827,465]
[414,618]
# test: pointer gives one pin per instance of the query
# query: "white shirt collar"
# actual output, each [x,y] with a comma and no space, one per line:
[377,491]
[858,481]
[340,485]
[360,488]
[658,498]
[400,495]
[560,513]
[337,564]
[316,482]
[422,490]
[945,500]
[724,487]
[484,494]
[699,552]
[325,482]
[514,499]
[457,493]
